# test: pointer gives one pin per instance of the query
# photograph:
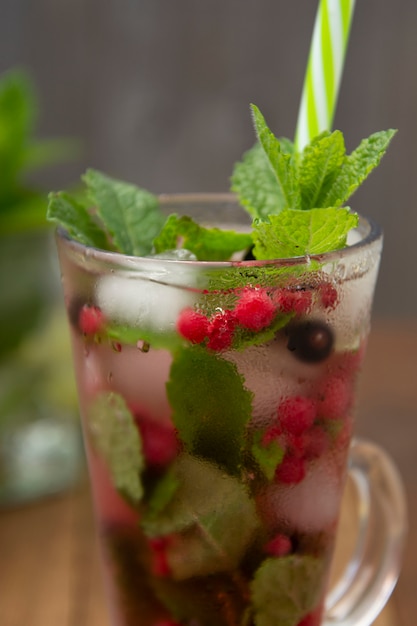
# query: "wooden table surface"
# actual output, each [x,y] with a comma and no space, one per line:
[49,567]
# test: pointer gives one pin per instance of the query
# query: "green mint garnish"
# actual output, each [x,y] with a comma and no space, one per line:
[73,215]
[285,589]
[283,165]
[210,413]
[295,199]
[295,233]
[128,216]
[116,437]
[206,540]
[208,244]
[272,179]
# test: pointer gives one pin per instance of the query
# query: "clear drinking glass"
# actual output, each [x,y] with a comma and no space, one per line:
[217,401]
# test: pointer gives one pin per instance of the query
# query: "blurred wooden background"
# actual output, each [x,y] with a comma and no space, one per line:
[159,93]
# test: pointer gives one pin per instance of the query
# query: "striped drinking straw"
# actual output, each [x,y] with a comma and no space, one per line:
[324,69]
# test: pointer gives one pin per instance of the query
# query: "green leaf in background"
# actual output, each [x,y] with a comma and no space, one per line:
[285,589]
[298,233]
[130,214]
[115,435]
[211,409]
[357,166]
[208,244]
[320,165]
[17,118]
[22,205]
[72,215]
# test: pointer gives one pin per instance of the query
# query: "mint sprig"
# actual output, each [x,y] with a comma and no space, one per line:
[272,180]
[113,215]
[208,244]
[307,191]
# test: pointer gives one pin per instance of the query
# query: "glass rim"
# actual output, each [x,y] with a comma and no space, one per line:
[372,233]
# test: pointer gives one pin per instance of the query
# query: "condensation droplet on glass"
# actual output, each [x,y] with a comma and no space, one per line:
[143,345]
[109,377]
[340,272]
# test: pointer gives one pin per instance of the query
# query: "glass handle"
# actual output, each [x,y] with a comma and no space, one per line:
[370,576]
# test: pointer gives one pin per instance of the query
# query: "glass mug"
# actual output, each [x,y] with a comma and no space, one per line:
[217,403]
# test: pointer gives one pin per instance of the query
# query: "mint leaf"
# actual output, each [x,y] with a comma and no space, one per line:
[285,589]
[255,184]
[320,165]
[357,167]
[210,413]
[268,456]
[162,495]
[208,244]
[115,436]
[135,335]
[211,517]
[295,233]
[75,218]
[283,165]
[130,215]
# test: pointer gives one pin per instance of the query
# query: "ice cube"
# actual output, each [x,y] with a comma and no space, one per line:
[153,302]
[310,506]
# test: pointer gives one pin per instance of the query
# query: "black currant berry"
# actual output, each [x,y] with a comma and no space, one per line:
[310,341]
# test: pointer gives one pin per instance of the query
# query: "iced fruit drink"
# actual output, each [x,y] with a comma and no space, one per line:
[217,342]
[217,400]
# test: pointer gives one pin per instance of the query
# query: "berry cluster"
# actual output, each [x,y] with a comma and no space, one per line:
[255,310]
[301,426]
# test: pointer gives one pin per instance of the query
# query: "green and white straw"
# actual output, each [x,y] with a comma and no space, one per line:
[324,69]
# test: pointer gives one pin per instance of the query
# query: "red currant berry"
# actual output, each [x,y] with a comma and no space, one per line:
[291,470]
[316,443]
[221,331]
[90,319]
[298,301]
[328,295]
[254,310]
[335,397]
[160,565]
[159,440]
[312,619]
[297,414]
[280,545]
[273,433]
[192,325]
[311,444]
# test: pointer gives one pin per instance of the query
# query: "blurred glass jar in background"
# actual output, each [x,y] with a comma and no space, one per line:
[40,443]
